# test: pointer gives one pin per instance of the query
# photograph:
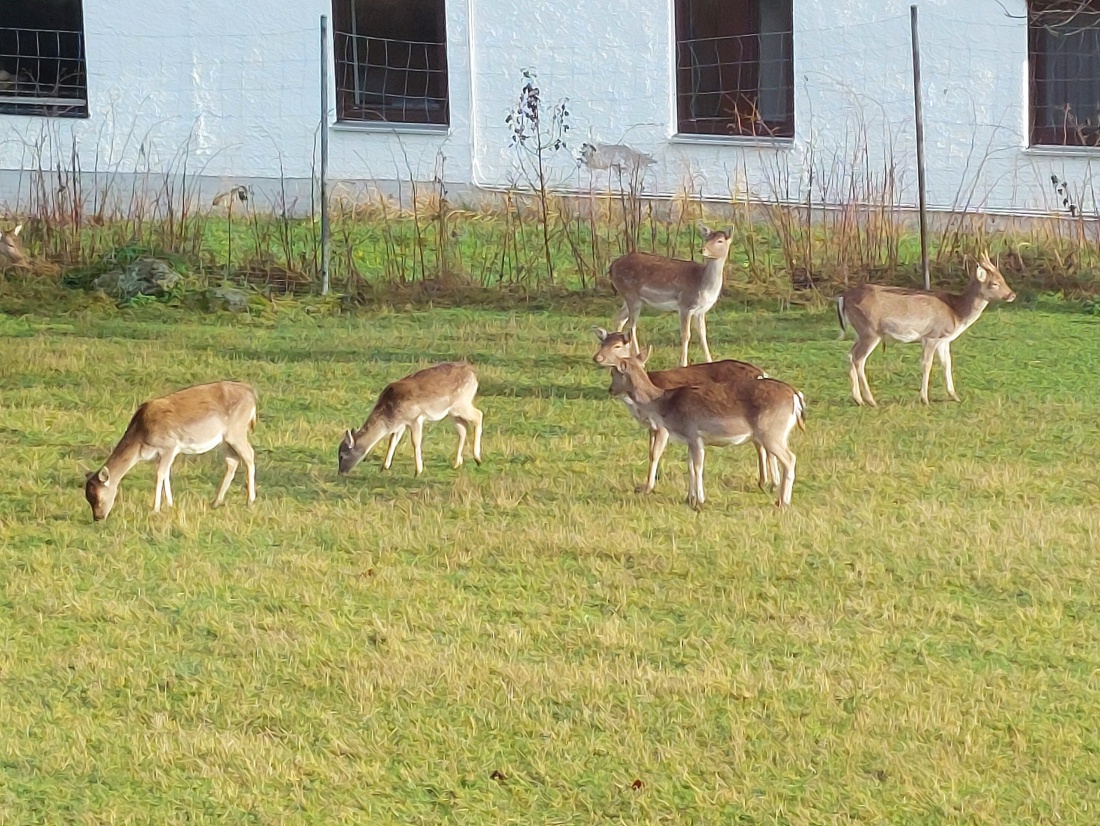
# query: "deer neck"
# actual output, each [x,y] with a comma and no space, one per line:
[643,391]
[711,274]
[969,305]
[126,454]
[374,429]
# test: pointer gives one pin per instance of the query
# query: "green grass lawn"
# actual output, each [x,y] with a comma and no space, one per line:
[915,641]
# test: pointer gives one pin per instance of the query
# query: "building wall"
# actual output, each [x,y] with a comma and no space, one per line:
[229,92]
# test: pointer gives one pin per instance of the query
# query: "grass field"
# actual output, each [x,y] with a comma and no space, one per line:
[915,641]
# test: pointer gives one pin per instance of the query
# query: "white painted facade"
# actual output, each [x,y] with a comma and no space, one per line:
[233,90]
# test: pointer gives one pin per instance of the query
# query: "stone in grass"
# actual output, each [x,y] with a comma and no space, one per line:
[229,299]
[146,276]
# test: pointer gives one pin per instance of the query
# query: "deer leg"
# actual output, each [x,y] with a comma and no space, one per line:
[247,455]
[231,463]
[460,426]
[635,346]
[416,433]
[629,313]
[471,414]
[164,487]
[658,441]
[696,456]
[621,317]
[395,437]
[685,337]
[787,461]
[928,352]
[857,371]
[762,466]
[701,329]
[477,417]
[944,352]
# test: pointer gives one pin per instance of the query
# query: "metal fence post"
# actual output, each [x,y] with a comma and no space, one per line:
[326,241]
[919,114]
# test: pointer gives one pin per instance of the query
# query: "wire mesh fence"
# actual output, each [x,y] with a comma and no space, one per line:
[1064,60]
[42,72]
[388,80]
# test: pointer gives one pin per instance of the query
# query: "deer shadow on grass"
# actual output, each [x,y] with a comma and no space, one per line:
[414,359]
[541,390]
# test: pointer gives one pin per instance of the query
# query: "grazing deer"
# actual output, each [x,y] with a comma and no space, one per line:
[446,389]
[764,411]
[193,420]
[935,319]
[11,249]
[615,347]
[690,287]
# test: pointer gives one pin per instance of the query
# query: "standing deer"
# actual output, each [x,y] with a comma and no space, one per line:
[689,287]
[193,420]
[935,319]
[446,389]
[11,249]
[764,411]
[615,347]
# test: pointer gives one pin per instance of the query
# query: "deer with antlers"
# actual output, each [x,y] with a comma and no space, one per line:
[935,319]
[615,348]
[761,410]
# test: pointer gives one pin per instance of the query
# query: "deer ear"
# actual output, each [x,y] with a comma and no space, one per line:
[104,475]
[349,439]
[18,229]
[981,274]
[729,232]
[704,230]
[601,333]
[643,356]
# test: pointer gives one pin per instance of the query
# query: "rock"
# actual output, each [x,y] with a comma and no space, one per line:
[146,276]
[229,299]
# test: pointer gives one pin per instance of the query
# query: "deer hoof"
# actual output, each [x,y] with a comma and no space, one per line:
[643,489]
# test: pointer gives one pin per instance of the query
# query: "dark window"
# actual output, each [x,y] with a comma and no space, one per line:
[734,67]
[42,58]
[391,61]
[1064,46]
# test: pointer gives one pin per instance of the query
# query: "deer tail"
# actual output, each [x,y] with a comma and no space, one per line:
[800,410]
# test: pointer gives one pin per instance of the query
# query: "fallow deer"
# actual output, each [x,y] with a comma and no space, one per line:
[446,389]
[11,249]
[615,347]
[764,411]
[935,319]
[689,287]
[193,420]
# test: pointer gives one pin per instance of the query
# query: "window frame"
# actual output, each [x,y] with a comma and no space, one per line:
[21,82]
[738,126]
[348,42]
[1045,136]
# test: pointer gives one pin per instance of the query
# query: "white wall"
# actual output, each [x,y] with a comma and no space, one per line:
[233,88]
